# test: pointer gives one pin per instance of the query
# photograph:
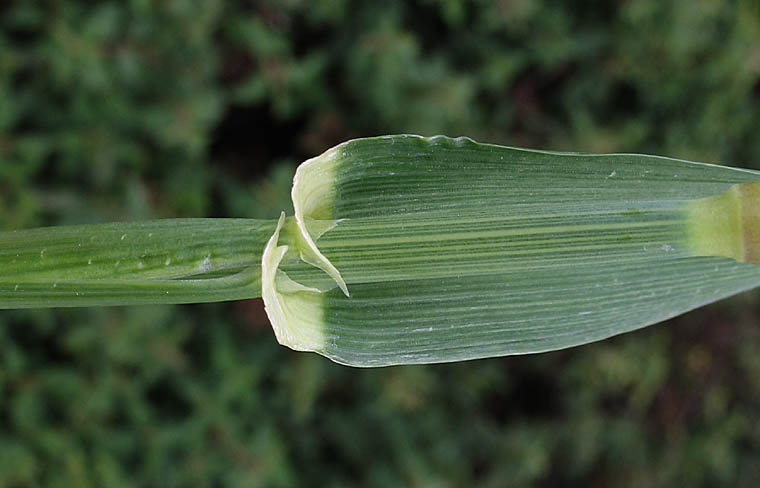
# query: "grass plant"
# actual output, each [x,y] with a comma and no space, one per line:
[406,250]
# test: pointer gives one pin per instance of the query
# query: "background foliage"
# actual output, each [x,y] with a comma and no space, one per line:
[145,109]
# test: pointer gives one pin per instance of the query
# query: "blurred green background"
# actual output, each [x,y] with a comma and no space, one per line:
[154,109]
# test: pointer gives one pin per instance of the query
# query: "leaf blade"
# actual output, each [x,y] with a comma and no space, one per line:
[422,293]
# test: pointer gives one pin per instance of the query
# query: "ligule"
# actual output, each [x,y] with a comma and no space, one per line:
[293,308]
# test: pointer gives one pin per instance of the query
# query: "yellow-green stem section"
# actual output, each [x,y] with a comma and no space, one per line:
[728,224]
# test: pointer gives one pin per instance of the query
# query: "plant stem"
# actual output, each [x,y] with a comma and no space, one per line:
[162,261]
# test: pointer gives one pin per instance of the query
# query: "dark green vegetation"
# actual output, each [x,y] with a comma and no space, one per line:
[135,110]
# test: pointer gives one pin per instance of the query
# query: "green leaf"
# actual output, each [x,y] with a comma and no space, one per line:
[455,250]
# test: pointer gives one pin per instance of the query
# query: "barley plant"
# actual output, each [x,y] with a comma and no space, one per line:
[149,147]
[407,250]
